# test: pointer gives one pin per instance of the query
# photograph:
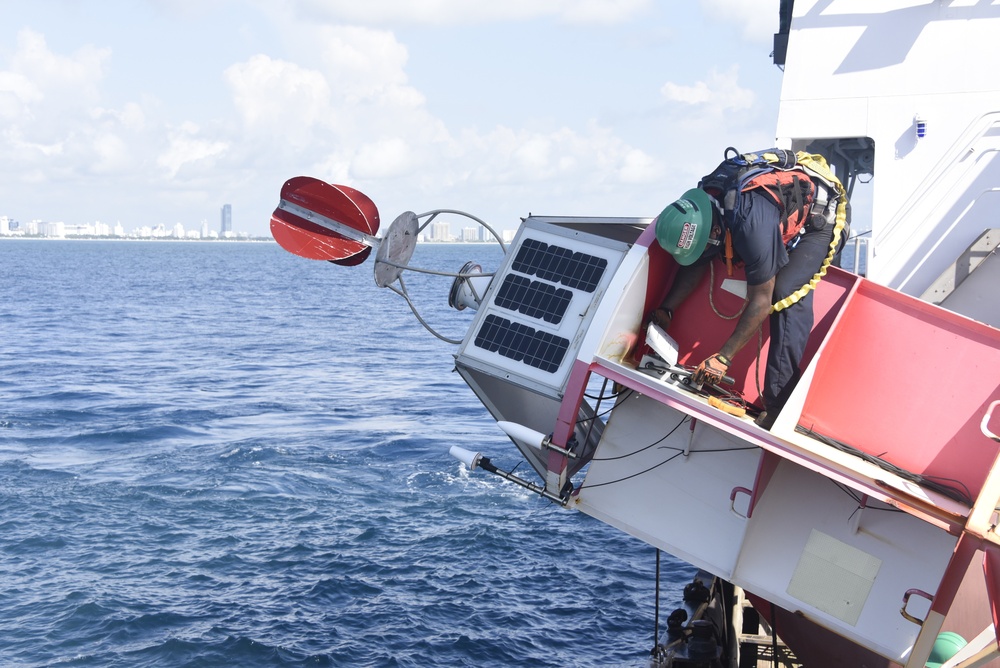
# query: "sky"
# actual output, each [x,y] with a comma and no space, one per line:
[149,112]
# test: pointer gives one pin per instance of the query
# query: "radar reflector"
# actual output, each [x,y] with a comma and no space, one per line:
[320,221]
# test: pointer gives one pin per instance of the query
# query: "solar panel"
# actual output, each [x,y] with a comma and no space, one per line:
[522,343]
[549,262]
[533,322]
[533,298]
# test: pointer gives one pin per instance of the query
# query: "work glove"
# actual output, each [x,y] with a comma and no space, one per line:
[711,371]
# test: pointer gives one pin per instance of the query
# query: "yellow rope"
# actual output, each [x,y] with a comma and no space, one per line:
[816,164]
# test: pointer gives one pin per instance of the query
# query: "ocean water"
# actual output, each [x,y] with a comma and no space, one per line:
[219,454]
[855,247]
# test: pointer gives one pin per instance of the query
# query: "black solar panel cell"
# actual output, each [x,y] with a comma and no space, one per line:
[533,298]
[522,343]
[579,271]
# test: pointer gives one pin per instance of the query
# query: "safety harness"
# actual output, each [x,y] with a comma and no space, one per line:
[803,187]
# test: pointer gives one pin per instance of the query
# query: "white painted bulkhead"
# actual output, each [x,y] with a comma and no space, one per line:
[862,69]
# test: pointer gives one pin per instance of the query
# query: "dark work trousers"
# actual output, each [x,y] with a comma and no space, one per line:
[790,327]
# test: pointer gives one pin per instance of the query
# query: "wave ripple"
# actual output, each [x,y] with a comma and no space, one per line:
[226,455]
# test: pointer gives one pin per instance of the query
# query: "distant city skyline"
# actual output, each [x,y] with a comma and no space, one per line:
[60,229]
[436,233]
[442,231]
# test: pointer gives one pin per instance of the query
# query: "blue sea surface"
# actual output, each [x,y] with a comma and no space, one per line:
[220,454]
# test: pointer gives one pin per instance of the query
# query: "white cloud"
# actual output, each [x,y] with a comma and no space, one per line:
[383,158]
[188,9]
[698,93]
[638,167]
[56,128]
[601,11]
[351,117]
[758,18]
[112,154]
[720,92]
[65,80]
[186,148]
[458,12]
[277,96]
[28,151]
[357,90]
[361,63]
[533,157]
[17,94]
[131,116]
[563,159]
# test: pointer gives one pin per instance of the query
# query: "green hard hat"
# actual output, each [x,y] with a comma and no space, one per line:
[683,227]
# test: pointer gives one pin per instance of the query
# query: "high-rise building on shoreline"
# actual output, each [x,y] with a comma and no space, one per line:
[226,228]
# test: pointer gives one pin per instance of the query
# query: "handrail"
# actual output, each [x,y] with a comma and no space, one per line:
[984,425]
[906,600]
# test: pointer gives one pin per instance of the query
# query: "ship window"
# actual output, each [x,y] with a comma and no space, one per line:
[521,343]
[533,298]
[579,271]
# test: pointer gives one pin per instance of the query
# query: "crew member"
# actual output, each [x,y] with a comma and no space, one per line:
[693,229]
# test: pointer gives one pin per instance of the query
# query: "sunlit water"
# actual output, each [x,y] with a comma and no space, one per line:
[219,454]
